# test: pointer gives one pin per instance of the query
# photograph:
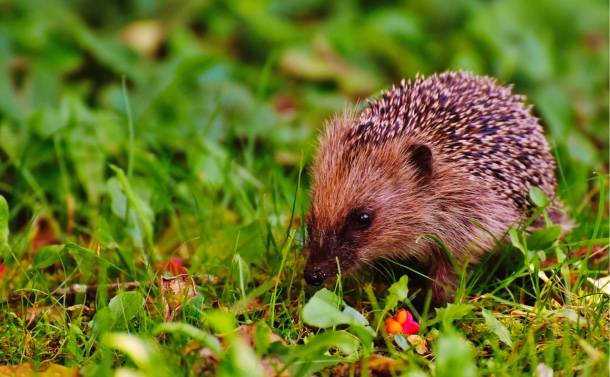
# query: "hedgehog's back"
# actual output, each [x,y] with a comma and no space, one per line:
[470,122]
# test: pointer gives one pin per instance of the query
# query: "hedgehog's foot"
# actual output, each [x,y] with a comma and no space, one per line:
[444,282]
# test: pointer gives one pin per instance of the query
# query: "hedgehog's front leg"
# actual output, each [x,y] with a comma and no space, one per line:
[443,281]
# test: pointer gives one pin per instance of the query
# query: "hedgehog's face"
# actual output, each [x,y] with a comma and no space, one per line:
[338,247]
[372,207]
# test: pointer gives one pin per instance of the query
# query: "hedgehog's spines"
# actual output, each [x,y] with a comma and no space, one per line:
[475,123]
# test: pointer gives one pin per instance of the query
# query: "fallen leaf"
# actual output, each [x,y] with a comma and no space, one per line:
[542,370]
[454,356]
[595,255]
[377,366]
[144,36]
[51,313]
[247,332]
[175,291]
[321,62]
[70,213]
[603,284]
[497,328]
[44,233]
[522,314]
[207,363]
[47,370]
[272,366]
[419,343]
[286,158]
[285,104]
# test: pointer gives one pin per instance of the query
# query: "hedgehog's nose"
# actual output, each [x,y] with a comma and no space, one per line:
[314,276]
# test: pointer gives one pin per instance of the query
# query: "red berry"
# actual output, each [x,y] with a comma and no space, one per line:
[410,328]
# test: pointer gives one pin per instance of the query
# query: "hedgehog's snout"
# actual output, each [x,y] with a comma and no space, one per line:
[314,275]
[321,264]
[318,268]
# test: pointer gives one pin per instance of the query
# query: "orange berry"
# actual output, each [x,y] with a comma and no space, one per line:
[392,326]
[401,316]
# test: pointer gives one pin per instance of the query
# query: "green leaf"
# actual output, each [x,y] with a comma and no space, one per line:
[398,292]
[262,338]
[400,289]
[144,353]
[538,197]
[312,356]
[241,361]
[515,240]
[241,273]
[401,342]
[355,316]
[581,149]
[497,327]
[543,238]
[125,306]
[47,256]
[206,339]
[118,200]
[86,258]
[323,310]
[3,224]
[138,350]
[102,321]
[452,312]
[555,106]
[221,321]
[89,161]
[454,357]
[143,214]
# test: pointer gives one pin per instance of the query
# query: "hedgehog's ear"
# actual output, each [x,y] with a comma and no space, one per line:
[420,157]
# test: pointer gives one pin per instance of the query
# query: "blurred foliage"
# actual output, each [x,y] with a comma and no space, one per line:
[261,76]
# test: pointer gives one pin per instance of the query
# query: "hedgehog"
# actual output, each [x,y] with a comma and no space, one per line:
[433,171]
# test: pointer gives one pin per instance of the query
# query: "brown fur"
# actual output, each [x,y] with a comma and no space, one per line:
[373,161]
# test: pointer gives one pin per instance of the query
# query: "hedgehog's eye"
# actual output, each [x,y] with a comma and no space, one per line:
[361,219]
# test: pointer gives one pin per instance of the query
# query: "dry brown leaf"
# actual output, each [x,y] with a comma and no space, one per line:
[285,104]
[44,233]
[247,332]
[144,36]
[419,343]
[48,370]
[274,367]
[175,291]
[598,256]
[52,313]
[322,62]
[378,366]
[249,306]
[286,158]
[70,213]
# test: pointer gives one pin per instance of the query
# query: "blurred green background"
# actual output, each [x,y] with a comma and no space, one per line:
[226,97]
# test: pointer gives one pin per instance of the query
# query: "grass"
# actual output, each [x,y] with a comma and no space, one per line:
[135,132]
